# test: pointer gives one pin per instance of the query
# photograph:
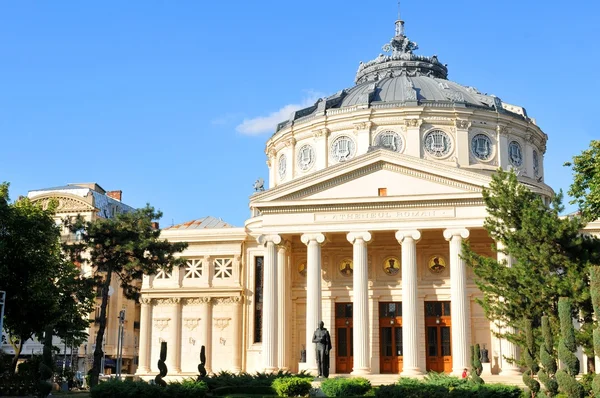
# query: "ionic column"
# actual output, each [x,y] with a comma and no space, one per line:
[269,332]
[236,341]
[145,335]
[313,294]
[206,318]
[459,305]
[360,301]
[410,340]
[174,343]
[507,348]
[282,308]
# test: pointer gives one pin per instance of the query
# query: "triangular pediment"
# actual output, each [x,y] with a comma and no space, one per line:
[66,203]
[377,174]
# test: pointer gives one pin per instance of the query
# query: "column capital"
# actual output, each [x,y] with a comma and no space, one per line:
[318,237]
[450,233]
[402,234]
[264,239]
[354,236]
[145,300]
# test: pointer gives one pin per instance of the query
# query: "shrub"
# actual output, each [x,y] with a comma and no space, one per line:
[130,389]
[292,386]
[345,387]
[444,380]
[566,348]
[232,391]
[411,390]
[463,389]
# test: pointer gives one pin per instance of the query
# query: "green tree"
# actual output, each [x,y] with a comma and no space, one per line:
[547,358]
[566,348]
[530,359]
[595,291]
[43,288]
[125,247]
[585,188]
[551,259]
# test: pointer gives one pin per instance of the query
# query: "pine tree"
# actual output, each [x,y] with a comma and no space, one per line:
[125,247]
[566,348]
[585,188]
[551,259]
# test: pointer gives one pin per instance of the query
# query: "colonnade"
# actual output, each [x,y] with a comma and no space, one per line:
[461,320]
[174,323]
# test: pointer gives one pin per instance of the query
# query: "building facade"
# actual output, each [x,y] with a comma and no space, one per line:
[371,193]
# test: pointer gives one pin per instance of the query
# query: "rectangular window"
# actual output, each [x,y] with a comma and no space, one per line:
[382,191]
[258,294]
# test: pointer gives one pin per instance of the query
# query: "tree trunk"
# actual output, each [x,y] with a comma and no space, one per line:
[18,348]
[98,352]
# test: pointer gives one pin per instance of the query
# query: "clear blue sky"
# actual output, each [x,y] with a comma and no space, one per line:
[170,101]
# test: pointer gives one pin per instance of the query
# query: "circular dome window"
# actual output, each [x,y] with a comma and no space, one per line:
[389,140]
[515,154]
[437,143]
[343,148]
[306,157]
[481,146]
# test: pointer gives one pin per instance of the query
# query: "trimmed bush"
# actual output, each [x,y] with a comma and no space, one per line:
[243,390]
[292,386]
[566,348]
[464,390]
[228,379]
[346,387]
[530,358]
[444,380]
[548,370]
[130,389]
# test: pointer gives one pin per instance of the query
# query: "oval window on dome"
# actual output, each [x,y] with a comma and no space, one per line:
[481,146]
[536,164]
[282,166]
[343,148]
[437,143]
[515,154]
[306,157]
[389,140]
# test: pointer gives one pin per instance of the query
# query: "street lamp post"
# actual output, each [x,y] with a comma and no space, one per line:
[2,301]
[120,343]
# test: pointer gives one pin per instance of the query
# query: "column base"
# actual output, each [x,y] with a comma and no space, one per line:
[487,369]
[271,369]
[411,372]
[142,371]
[360,371]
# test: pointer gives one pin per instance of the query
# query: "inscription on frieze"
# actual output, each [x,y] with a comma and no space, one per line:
[390,215]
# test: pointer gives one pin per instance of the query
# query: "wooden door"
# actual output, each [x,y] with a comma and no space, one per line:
[390,337]
[343,350]
[438,336]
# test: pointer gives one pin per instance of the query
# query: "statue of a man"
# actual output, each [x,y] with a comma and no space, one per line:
[322,339]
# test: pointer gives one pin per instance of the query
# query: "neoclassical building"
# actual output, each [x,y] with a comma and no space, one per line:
[371,193]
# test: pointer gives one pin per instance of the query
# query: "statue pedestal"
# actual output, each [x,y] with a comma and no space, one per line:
[487,369]
[304,366]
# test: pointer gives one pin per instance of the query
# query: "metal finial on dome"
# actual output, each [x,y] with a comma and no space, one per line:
[402,62]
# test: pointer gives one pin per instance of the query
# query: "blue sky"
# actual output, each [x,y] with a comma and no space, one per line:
[173,101]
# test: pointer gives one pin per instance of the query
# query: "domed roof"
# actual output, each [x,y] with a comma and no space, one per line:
[404,79]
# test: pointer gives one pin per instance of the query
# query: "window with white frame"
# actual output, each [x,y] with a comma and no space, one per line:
[223,268]
[193,269]
[163,274]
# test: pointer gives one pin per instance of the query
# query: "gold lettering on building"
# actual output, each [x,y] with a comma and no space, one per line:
[391,215]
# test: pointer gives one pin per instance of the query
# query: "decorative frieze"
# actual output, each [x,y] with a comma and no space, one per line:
[161,323]
[191,323]
[145,300]
[197,300]
[362,126]
[461,124]
[227,300]
[168,301]
[221,323]
[413,123]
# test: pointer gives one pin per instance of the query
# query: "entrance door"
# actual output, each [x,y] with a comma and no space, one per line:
[343,332]
[437,326]
[390,337]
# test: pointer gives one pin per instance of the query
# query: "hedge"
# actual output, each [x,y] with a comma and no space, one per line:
[345,387]
[131,389]
[250,390]
[469,390]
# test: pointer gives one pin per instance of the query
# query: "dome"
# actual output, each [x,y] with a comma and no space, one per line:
[404,79]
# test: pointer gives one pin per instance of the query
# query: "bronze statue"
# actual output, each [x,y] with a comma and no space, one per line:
[322,339]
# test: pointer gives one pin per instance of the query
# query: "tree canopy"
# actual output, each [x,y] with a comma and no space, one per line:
[125,247]
[44,290]
[585,188]
[551,258]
